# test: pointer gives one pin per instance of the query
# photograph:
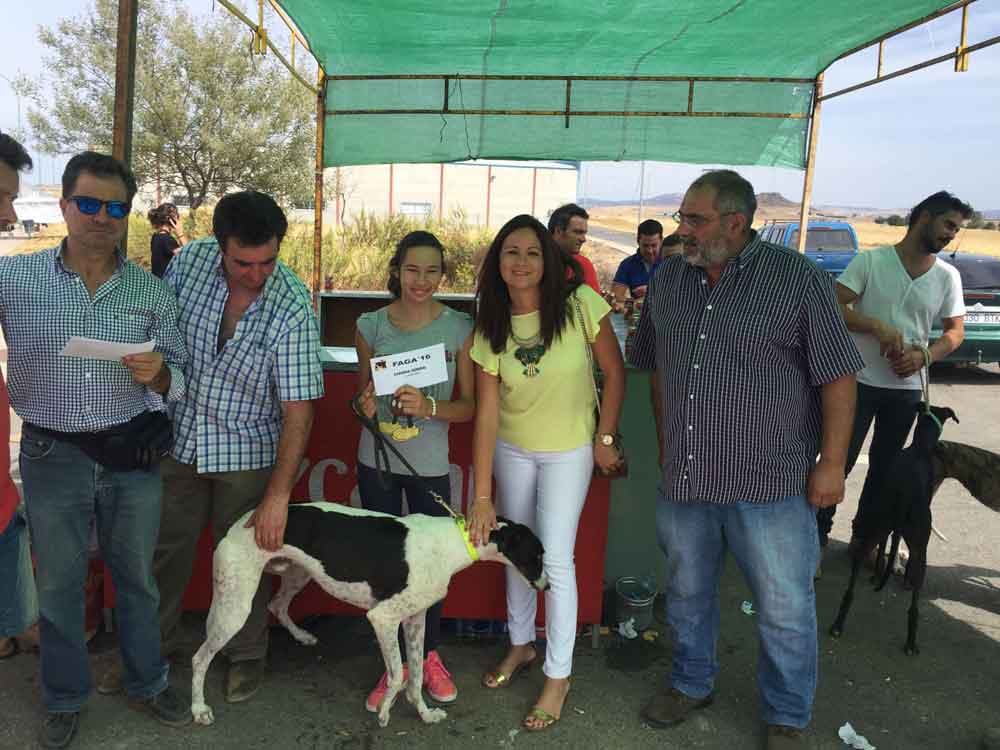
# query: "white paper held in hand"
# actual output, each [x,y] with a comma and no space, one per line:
[112,351]
[418,368]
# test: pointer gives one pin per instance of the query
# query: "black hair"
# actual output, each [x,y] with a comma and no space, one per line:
[13,154]
[561,216]
[162,214]
[672,239]
[940,203]
[252,218]
[98,165]
[493,298]
[418,238]
[648,227]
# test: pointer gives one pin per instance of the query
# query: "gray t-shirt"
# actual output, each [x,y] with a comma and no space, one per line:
[428,452]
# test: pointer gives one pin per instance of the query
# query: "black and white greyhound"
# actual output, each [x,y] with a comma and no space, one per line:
[395,568]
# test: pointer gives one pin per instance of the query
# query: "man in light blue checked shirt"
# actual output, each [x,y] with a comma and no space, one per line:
[242,429]
[86,287]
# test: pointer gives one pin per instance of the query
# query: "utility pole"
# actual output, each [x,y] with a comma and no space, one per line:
[642,186]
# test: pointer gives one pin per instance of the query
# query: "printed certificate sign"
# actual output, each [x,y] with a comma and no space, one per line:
[418,368]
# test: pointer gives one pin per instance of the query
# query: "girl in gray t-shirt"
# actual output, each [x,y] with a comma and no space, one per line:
[419,426]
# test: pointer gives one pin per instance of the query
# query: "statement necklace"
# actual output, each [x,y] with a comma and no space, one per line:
[529,352]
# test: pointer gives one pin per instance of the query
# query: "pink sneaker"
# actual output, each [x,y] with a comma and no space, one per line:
[437,680]
[378,693]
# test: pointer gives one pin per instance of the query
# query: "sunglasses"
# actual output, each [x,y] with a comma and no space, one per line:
[90,206]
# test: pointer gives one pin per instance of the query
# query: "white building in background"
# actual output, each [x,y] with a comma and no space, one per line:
[488,192]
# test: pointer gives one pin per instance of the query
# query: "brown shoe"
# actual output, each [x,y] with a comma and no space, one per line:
[112,682]
[243,680]
[783,738]
[670,708]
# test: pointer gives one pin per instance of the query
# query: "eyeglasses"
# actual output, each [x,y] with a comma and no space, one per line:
[90,206]
[696,221]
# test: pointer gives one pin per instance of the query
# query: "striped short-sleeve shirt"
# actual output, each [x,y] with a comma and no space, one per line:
[231,418]
[740,366]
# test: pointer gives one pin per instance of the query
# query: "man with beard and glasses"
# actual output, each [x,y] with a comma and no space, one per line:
[890,298]
[753,381]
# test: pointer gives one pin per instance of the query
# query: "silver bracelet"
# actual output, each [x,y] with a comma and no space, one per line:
[434,406]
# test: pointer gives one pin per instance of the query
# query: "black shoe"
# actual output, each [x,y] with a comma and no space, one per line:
[243,680]
[168,708]
[670,708]
[59,729]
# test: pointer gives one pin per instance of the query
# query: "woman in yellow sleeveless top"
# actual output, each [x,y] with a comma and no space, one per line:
[535,432]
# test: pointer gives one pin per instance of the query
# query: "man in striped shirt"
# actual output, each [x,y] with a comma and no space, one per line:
[753,377]
[85,287]
[241,432]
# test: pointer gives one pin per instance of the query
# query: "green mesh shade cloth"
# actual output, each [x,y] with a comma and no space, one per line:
[466,105]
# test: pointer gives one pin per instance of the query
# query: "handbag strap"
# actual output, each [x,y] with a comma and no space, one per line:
[586,345]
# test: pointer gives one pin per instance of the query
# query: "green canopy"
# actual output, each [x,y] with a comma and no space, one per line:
[718,81]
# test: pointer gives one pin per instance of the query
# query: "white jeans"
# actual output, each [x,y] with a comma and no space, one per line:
[545,491]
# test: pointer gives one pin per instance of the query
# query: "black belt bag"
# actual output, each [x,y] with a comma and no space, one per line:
[139,443]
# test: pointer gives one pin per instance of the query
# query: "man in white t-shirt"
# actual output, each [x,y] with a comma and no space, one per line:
[890,298]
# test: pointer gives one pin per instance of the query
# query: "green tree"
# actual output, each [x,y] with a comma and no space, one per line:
[895,220]
[990,225]
[976,221]
[209,118]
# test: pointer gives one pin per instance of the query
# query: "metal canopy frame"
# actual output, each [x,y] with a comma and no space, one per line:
[261,42]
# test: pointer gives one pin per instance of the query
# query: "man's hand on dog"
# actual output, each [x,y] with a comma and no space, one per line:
[481,521]
[269,522]
[826,484]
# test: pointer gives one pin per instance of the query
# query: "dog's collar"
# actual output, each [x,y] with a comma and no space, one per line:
[460,522]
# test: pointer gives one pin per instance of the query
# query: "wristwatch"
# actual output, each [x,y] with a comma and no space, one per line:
[606,438]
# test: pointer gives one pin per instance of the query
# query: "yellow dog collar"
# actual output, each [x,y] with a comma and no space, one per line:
[460,522]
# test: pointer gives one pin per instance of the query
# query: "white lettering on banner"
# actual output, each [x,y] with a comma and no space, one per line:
[317,478]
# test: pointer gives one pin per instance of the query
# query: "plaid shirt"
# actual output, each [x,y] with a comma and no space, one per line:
[43,303]
[740,367]
[231,418]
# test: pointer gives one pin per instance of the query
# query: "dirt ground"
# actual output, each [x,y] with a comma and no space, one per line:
[944,698]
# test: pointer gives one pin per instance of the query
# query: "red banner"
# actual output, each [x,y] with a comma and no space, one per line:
[328,473]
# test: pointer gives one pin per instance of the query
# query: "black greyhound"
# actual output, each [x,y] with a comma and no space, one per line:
[902,509]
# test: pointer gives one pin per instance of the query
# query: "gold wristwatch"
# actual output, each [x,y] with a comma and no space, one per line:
[606,438]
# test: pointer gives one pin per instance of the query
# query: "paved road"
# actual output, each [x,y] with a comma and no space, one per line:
[943,698]
[623,241]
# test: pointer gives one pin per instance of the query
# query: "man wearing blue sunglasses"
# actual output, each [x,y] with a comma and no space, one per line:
[71,408]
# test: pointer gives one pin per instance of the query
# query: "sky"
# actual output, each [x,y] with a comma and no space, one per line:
[886,146]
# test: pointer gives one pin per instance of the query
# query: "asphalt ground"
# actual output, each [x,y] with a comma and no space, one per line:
[944,698]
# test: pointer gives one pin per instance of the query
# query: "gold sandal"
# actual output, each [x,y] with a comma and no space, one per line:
[501,680]
[539,714]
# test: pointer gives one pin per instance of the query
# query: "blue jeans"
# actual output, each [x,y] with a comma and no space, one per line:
[776,548]
[18,600]
[64,490]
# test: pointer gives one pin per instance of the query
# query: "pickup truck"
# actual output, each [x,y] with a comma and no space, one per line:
[981,289]
[831,244]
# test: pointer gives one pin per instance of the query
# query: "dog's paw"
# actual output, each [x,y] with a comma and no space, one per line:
[911,649]
[836,631]
[433,715]
[383,718]
[202,714]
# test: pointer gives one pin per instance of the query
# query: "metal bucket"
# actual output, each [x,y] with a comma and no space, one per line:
[635,597]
